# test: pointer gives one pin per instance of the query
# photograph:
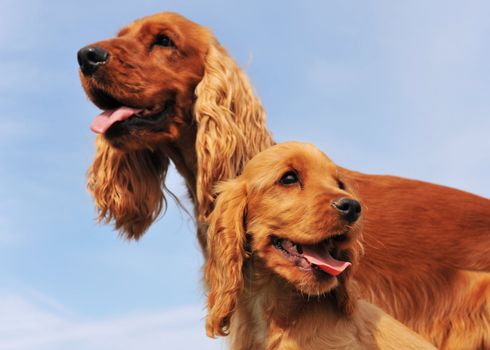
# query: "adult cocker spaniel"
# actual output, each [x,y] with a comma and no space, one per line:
[281,242]
[170,92]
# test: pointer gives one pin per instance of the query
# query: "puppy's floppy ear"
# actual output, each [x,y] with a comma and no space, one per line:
[226,254]
[127,187]
[225,108]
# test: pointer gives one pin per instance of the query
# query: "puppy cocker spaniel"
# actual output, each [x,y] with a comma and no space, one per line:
[283,239]
[170,93]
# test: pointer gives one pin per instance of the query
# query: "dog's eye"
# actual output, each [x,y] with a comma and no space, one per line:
[289,178]
[340,184]
[163,40]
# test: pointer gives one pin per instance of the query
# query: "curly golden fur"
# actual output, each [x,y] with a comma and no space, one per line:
[426,246]
[206,134]
[276,299]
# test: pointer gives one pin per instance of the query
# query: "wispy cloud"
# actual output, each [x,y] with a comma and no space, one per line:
[35,324]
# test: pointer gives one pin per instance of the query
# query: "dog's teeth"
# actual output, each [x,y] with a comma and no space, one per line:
[304,263]
[288,245]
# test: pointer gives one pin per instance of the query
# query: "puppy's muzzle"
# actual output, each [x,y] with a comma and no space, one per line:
[349,209]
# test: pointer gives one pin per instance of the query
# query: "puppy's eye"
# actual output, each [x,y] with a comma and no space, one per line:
[289,178]
[340,184]
[163,40]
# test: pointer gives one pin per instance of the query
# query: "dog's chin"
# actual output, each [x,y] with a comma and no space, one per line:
[135,134]
[149,127]
[146,127]
[131,138]
[307,283]
[317,286]
[287,260]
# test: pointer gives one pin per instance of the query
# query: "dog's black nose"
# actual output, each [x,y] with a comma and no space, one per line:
[90,58]
[349,209]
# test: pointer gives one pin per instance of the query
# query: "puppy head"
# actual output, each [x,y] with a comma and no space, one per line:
[291,209]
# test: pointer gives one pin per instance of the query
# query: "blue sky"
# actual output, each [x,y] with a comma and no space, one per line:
[382,87]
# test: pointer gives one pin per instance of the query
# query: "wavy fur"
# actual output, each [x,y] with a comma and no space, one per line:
[228,115]
[426,246]
[128,187]
[273,303]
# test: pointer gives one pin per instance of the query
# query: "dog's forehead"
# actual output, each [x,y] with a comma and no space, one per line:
[187,35]
[164,21]
[297,156]
[156,19]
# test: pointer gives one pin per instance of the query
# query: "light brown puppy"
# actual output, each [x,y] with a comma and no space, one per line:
[281,242]
[170,92]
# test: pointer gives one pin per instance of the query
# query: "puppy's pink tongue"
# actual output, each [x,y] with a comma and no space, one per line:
[103,121]
[324,260]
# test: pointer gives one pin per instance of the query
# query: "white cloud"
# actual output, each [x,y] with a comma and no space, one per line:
[39,325]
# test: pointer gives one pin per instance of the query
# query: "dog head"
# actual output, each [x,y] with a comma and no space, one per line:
[144,79]
[292,210]
[167,89]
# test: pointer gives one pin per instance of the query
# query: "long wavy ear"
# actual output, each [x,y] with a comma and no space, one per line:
[226,254]
[127,187]
[231,125]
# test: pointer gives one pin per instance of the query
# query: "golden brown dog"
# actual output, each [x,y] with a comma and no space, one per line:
[170,92]
[281,242]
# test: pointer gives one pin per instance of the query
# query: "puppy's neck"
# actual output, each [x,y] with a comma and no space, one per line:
[277,307]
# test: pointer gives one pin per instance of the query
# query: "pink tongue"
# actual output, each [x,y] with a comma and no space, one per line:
[325,261]
[103,121]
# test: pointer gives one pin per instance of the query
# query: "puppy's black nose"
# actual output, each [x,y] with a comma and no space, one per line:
[349,209]
[90,58]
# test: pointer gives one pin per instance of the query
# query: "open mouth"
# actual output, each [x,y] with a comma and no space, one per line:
[119,116]
[319,257]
